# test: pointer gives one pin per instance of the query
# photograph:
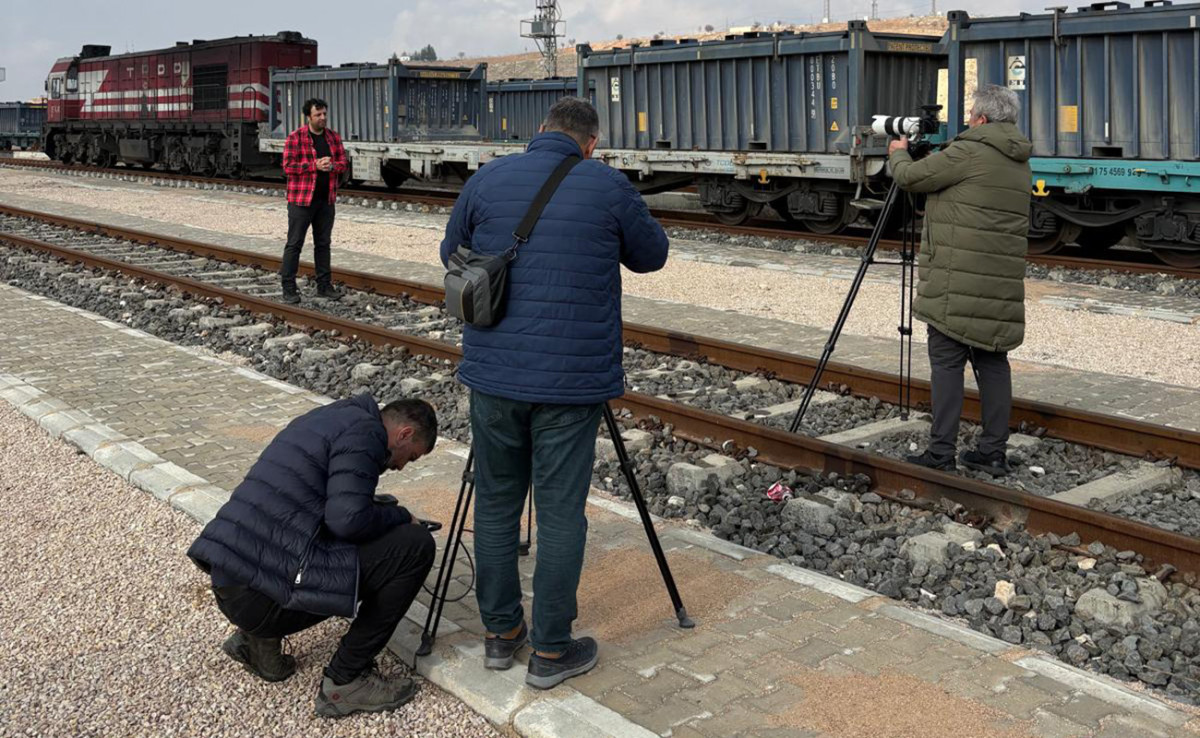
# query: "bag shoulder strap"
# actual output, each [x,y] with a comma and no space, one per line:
[543,197]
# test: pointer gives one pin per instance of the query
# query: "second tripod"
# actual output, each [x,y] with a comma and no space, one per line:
[441,585]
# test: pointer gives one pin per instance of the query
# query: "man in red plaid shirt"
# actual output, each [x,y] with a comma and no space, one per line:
[313,157]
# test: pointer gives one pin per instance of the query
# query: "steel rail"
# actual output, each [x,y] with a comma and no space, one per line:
[1108,432]
[677,218]
[773,446]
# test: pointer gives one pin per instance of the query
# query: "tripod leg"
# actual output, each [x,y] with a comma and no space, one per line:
[867,257]
[636,493]
[908,248]
[523,548]
[445,572]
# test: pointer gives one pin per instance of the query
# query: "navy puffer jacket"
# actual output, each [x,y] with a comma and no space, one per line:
[560,339]
[291,528]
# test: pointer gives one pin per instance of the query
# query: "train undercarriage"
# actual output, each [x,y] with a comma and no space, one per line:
[209,150]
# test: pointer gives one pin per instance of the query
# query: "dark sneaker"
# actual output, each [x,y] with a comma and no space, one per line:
[291,297]
[579,658]
[995,464]
[263,657]
[928,460]
[370,692]
[329,292]
[498,652]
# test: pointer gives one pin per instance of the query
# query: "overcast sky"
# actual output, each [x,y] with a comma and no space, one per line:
[33,35]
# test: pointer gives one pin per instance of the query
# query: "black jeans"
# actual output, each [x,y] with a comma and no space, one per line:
[391,570]
[320,216]
[554,447]
[947,357]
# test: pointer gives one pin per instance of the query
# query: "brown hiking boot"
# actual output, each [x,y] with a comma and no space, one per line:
[370,692]
[263,657]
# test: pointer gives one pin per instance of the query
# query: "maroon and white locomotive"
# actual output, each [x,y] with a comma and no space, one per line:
[193,108]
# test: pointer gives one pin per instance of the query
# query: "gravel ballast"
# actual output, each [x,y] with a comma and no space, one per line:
[1136,347]
[835,525]
[110,630]
[1174,507]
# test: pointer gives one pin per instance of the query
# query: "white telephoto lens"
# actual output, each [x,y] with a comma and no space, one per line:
[887,125]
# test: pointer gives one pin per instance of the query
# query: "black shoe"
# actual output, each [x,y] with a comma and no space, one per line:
[579,658]
[329,292]
[995,464]
[291,297]
[928,460]
[263,657]
[498,652]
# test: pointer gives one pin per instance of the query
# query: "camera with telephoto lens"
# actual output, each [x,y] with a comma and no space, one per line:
[917,128]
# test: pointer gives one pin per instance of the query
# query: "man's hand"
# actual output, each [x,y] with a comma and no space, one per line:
[324,164]
[900,143]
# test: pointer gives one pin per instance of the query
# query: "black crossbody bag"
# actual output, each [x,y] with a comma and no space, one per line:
[475,283]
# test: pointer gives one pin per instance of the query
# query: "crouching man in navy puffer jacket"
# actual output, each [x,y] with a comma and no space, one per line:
[540,377]
[304,537]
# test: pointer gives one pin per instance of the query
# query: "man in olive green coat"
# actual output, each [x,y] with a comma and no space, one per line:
[971,268]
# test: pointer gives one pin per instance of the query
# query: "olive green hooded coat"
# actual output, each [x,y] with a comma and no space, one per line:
[973,245]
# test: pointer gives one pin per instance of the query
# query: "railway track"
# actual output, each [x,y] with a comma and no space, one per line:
[897,480]
[1133,262]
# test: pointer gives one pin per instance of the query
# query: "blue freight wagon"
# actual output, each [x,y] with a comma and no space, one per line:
[516,108]
[1110,97]
[21,124]
[800,96]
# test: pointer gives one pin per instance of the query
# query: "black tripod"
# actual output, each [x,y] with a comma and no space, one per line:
[907,262]
[441,585]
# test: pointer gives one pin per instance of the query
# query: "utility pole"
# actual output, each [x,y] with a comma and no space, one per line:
[933,11]
[543,29]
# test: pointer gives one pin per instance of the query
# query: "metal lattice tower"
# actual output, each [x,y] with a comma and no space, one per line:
[543,29]
[933,10]
[874,9]
[825,18]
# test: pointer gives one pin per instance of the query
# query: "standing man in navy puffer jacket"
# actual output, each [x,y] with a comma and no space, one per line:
[304,537]
[540,377]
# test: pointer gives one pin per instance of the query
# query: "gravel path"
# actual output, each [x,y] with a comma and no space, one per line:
[1147,349]
[110,631]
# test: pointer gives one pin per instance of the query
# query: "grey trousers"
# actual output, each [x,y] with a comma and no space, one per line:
[947,357]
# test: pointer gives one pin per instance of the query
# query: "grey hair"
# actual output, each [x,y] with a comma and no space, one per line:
[999,104]
[575,117]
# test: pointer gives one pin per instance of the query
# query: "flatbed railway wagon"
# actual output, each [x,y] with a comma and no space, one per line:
[754,121]
[21,124]
[379,109]
[195,107]
[1110,97]
[762,120]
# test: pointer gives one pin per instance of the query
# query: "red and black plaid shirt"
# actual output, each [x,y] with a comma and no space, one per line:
[300,165]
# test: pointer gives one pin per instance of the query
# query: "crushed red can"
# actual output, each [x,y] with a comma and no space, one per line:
[779,492]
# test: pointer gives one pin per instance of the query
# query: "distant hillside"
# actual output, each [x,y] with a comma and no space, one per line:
[529,65]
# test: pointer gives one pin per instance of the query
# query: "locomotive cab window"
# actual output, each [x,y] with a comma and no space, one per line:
[56,88]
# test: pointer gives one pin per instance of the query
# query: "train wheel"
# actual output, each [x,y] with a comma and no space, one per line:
[1178,258]
[845,215]
[1097,240]
[738,217]
[1054,240]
